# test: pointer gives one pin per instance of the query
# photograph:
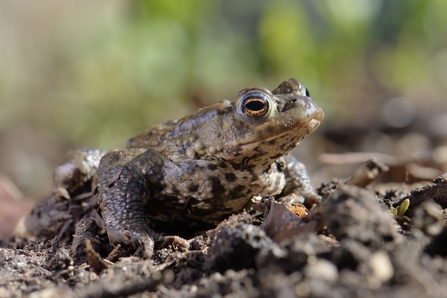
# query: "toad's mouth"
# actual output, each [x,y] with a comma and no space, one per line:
[287,139]
[298,131]
[299,117]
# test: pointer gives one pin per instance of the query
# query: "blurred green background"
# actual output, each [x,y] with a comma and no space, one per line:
[94,73]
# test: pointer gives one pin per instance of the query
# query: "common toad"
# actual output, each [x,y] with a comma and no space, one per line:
[189,175]
[208,165]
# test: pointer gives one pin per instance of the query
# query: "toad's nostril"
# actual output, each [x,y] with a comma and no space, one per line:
[304,105]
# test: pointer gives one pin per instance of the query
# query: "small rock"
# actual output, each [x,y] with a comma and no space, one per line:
[322,269]
[381,269]
[236,247]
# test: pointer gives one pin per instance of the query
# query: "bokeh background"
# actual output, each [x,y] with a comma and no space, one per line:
[94,73]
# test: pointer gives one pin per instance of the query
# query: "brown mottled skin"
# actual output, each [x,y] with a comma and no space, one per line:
[208,165]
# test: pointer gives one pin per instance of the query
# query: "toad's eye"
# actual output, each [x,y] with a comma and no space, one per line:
[306,91]
[303,91]
[255,104]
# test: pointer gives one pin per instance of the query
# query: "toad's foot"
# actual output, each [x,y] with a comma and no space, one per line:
[175,241]
[298,188]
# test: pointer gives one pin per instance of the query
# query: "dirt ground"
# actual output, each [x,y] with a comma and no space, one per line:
[351,245]
[379,232]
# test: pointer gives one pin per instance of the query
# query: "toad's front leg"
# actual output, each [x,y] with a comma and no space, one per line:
[124,189]
[298,187]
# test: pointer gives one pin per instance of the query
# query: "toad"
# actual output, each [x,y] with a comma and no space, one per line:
[193,173]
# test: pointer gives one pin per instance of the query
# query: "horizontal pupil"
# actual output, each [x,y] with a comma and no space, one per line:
[255,105]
